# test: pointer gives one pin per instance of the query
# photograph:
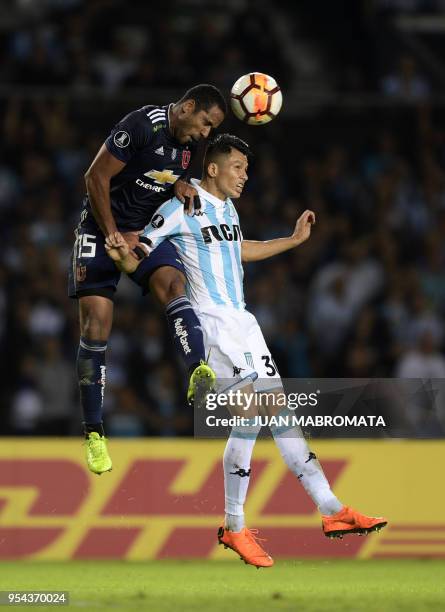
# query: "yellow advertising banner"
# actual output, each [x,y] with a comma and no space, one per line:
[165,499]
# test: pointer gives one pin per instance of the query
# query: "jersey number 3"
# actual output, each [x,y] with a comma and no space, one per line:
[270,365]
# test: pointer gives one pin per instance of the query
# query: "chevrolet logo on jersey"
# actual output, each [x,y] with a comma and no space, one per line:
[161,177]
[164,176]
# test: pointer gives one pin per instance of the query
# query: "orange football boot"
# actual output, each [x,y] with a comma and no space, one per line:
[350,521]
[245,543]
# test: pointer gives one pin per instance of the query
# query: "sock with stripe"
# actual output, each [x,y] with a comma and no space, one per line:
[91,372]
[185,329]
[236,462]
[304,464]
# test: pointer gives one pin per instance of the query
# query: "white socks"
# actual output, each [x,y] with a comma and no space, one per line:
[236,461]
[303,463]
[297,456]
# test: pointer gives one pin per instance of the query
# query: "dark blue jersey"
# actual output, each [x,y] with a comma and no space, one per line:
[154,161]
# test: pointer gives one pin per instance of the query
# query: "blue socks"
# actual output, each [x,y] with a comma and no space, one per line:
[91,372]
[186,331]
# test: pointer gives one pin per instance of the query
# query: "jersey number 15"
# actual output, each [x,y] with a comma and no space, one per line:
[86,245]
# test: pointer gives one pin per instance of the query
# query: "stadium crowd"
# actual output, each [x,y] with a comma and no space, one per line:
[365,297]
[80,44]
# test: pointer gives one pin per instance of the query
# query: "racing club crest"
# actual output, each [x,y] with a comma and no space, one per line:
[185,159]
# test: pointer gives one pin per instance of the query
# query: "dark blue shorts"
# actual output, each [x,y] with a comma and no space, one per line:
[92,272]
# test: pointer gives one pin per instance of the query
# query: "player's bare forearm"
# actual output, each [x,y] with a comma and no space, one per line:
[255,250]
[128,264]
[97,179]
[98,190]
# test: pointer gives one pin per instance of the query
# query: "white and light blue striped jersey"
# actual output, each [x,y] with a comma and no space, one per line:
[209,245]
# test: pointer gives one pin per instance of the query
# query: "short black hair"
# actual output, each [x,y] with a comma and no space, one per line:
[205,96]
[222,144]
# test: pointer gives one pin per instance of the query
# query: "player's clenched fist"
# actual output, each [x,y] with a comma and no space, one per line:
[303,226]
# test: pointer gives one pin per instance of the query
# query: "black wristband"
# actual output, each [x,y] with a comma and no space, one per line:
[145,240]
[139,252]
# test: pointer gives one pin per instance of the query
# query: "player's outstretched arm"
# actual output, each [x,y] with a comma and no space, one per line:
[119,251]
[255,250]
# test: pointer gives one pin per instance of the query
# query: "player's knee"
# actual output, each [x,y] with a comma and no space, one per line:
[94,324]
[93,327]
[177,287]
[168,284]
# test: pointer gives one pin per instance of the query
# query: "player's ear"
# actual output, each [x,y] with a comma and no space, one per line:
[212,169]
[188,107]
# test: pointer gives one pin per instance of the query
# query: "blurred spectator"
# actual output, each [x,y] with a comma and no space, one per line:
[423,361]
[331,316]
[128,417]
[27,403]
[56,386]
[407,83]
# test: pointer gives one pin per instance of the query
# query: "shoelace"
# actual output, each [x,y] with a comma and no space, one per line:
[254,539]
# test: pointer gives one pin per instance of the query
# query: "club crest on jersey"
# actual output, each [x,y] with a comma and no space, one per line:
[81,273]
[157,221]
[121,139]
[174,153]
[186,155]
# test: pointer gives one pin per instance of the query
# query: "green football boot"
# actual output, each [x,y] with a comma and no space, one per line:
[202,382]
[98,459]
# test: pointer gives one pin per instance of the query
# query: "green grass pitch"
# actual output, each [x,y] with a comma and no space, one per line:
[214,586]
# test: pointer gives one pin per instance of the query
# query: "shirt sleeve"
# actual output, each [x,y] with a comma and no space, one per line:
[128,136]
[165,223]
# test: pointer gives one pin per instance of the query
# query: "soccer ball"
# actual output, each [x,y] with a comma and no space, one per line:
[256,98]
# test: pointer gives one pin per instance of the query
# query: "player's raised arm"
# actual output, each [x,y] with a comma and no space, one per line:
[255,250]
[97,180]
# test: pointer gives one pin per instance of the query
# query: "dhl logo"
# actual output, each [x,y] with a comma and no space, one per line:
[165,499]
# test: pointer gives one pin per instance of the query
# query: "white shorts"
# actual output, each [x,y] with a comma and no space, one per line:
[236,348]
